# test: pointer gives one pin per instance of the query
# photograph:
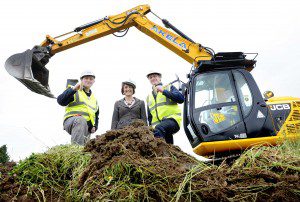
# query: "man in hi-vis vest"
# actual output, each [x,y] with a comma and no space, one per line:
[82,111]
[164,113]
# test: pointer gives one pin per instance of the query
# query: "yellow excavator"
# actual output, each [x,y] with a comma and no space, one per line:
[224,110]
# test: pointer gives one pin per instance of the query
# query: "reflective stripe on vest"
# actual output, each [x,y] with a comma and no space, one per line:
[163,107]
[157,122]
[77,102]
[82,105]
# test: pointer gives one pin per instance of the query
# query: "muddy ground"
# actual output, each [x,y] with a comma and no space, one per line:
[10,187]
[135,145]
[132,165]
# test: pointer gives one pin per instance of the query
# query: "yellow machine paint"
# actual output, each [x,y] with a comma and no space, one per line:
[291,126]
[29,68]
[191,52]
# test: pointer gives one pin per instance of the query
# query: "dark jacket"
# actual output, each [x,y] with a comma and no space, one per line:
[173,94]
[68,96]
[124,115]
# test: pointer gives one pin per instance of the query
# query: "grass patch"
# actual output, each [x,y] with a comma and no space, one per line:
[55,171]
[131,165]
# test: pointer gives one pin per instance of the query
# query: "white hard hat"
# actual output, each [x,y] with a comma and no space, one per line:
[129,82]
[87,73]
[153,72]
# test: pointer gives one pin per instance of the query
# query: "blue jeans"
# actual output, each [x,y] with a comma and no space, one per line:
[165,129]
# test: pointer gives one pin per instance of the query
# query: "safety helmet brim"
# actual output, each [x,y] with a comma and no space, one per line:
[129,83]
[87,73]
[153,73]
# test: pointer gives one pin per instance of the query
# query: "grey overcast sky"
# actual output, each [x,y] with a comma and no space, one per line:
[32,123]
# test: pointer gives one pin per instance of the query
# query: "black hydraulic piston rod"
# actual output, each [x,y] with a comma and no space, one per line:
[169,25]
[78,29]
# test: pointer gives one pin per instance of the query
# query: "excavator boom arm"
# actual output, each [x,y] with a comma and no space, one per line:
[190,51]
[97,29]
[29,67]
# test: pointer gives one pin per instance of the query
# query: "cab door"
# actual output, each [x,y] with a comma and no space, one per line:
[255,112]
[215,107]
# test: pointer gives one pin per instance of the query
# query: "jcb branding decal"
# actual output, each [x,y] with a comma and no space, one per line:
[168,36]
[280,107]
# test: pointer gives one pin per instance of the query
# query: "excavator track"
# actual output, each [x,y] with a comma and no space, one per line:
[223,157]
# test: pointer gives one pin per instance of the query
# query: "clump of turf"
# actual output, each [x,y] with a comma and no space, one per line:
[132,165]
[51,174]
[260,174]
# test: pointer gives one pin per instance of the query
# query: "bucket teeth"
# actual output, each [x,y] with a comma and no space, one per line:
[29,68]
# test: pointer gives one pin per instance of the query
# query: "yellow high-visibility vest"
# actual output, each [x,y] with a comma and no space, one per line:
[163,107]
[82,105]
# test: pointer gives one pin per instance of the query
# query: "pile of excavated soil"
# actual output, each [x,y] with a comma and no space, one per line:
[130,164]
[147,161]
[10,188]
[7,182]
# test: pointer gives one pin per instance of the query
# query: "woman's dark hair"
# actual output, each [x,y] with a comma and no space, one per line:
[123,84]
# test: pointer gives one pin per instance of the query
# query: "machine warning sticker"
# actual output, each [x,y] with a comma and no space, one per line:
[260,115]
[240,136]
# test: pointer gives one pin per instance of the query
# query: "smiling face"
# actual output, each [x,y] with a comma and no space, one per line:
[127,90]
[154,79]
[88,81]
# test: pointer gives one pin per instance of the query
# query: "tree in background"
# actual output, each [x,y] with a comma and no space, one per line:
[3,154]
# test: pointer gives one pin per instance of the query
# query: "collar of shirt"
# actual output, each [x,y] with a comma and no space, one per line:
[129,104]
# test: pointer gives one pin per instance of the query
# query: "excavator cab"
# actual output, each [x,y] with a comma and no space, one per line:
[223,103]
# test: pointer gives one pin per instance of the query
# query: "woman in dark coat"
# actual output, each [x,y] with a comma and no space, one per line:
[129,108]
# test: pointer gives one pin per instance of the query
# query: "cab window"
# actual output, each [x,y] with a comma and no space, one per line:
[216,90]
[213,89]
[244,93]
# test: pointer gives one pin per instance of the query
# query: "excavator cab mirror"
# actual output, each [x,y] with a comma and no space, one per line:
[178,81]
[181,84]
[268,94]
[183,88]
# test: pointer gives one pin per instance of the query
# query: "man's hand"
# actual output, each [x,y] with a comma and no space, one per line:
[78,86]
[159,88]
[93,130]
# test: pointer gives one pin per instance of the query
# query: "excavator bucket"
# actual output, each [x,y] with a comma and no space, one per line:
[29,68]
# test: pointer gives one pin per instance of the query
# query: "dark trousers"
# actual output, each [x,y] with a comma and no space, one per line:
[165,129]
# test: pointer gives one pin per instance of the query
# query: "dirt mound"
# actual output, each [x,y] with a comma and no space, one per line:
[132,165]
[43,176]
[10,187]
[133,155]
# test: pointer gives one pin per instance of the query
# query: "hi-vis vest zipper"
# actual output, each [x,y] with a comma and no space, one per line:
[82,105]
[163,107]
